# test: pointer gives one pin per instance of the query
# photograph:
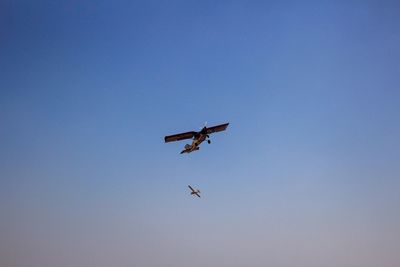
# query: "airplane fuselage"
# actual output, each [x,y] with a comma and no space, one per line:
[199,138]
[196,192]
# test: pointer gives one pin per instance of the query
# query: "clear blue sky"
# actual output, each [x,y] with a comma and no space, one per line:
[307,174]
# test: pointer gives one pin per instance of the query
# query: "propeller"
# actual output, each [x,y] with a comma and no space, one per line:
[205,125]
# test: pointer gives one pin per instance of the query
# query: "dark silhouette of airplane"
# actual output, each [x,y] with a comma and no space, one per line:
[198,137]
[194,191]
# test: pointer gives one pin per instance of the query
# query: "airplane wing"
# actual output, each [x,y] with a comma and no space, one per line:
[191,188]
[180,136]
[218,128]
[197,194]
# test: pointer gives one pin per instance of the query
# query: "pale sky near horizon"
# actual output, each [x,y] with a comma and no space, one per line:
[306,175]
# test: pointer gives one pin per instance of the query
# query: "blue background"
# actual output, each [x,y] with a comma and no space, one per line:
[307,173]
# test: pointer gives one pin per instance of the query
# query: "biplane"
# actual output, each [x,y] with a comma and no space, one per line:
[198,137]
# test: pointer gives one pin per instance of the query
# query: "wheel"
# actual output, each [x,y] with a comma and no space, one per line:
[208,141]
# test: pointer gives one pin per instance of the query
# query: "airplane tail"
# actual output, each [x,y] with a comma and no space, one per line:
[188,149]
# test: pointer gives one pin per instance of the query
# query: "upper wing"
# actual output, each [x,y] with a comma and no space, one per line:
[218,128]
[181,136]
[197,194]
[191,188]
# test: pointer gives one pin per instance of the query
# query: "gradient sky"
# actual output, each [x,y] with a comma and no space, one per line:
[307,174]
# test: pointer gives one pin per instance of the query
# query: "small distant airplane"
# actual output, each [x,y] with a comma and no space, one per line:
[194,192]
[198,137]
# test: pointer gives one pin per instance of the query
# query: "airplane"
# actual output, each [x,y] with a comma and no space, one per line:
[194,192]
[198,137]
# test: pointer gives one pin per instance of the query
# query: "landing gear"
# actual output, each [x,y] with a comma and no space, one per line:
[209,141]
